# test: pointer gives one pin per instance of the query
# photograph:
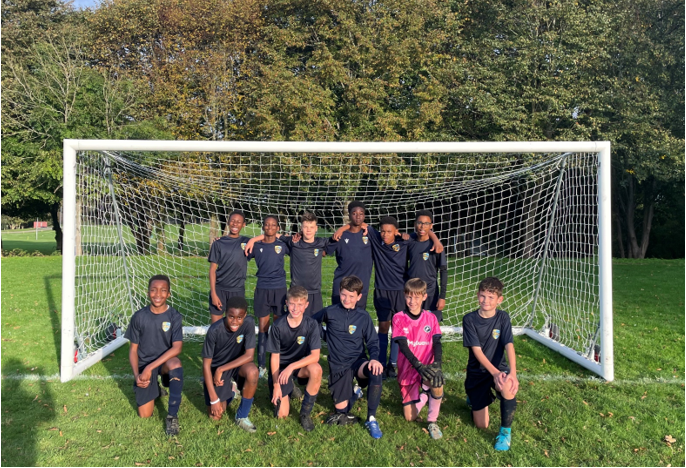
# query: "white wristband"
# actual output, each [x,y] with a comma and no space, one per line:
[214,402]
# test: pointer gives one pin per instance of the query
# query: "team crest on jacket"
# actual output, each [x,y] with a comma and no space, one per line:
[277,248]
[243,245]
[346,241]
[239,339]
[316,252]
[396,248]
[301,339]
[365,239]
[260,249]
[352,328]
[425,256]
[427,329]
[166,326]
[496,333]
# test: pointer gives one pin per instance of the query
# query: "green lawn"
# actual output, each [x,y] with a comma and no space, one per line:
[566,416]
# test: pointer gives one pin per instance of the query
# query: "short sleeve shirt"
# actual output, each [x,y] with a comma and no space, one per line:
[353,257]
[293,344]
[270,260]
[232,264]
[390,261]
[223,346]
[424,264]
[154,333]
[419,334]
[491,335]
[306,262]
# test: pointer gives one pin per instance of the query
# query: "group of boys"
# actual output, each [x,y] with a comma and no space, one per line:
[355,349]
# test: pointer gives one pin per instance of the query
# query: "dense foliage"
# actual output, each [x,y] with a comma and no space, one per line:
[341,70]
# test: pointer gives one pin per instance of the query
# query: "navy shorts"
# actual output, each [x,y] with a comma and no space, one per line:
[224,297]
[431,302]
[269,301]
[388,303]
[225,392]
[287,389]
[152,391]
[481,391]
[315,304]
[341,384]
[362,303]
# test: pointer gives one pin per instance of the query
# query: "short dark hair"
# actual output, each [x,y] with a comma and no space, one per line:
[159,278]
[492,285]
[356,204]
[237,212]
[352,283]
[308,217]
[415,287]
[236,302]
[297,292]
[425,213]
[274,217]
[389,220]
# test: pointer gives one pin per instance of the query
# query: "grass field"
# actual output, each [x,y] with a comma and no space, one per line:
[565,415]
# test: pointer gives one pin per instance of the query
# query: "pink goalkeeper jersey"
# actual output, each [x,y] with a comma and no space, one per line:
[419,334]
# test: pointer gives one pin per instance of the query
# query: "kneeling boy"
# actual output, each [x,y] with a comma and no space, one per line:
[349,329]
[294,343]
[156,337]
[487,332]
[418,335]
[228,355]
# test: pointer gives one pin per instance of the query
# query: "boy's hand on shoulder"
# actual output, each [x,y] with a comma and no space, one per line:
[375,366]
[339,233]
[437,247]
[405,236]
[249,246]
[364,227]
[296,238]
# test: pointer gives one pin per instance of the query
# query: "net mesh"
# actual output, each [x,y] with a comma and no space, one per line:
[530,219]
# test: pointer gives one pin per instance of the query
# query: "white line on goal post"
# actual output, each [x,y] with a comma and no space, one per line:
[602,148]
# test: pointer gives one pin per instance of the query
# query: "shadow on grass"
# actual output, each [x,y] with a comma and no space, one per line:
[25,412]
[53,307]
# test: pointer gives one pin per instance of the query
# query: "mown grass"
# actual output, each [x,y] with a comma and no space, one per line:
[565,416]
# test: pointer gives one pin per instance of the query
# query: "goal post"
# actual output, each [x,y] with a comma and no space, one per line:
[536,214]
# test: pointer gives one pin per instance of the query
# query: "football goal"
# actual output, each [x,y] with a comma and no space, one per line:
[535,214]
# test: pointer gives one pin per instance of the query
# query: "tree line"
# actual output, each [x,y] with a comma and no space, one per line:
[347,70]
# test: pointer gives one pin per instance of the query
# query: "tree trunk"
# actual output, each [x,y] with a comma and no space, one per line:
[182,231]
[161,240]
[213,228]
[648,213]
[54,209]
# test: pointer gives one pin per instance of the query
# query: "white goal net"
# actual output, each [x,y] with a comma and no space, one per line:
[529,213]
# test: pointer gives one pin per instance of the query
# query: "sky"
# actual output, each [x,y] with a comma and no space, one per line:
[85,3]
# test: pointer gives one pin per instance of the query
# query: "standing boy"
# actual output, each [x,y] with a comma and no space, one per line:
[306,260]
[349,330]
[487,332]
[426,263]
[418,335]
[228,355]
[270,291]
[156,337]
[294,343]
[228,266]
[353,254]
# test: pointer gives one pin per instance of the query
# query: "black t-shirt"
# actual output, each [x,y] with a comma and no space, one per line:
[353,257]
[223,346]
[270,264]
[293,344]
[390,262]
[491,335]
[232,264]
[425,264]
[154,333]
[347,334]
[306,262]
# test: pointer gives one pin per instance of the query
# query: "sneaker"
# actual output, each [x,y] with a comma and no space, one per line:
[357,394]
[172,425]
[503,439]
[373,427]
[246,424]
[234,389]
[163,391]
[341,419]
[277,407]
[297,394]
[435,431]
[391,373]
[263,372]
[306,422]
